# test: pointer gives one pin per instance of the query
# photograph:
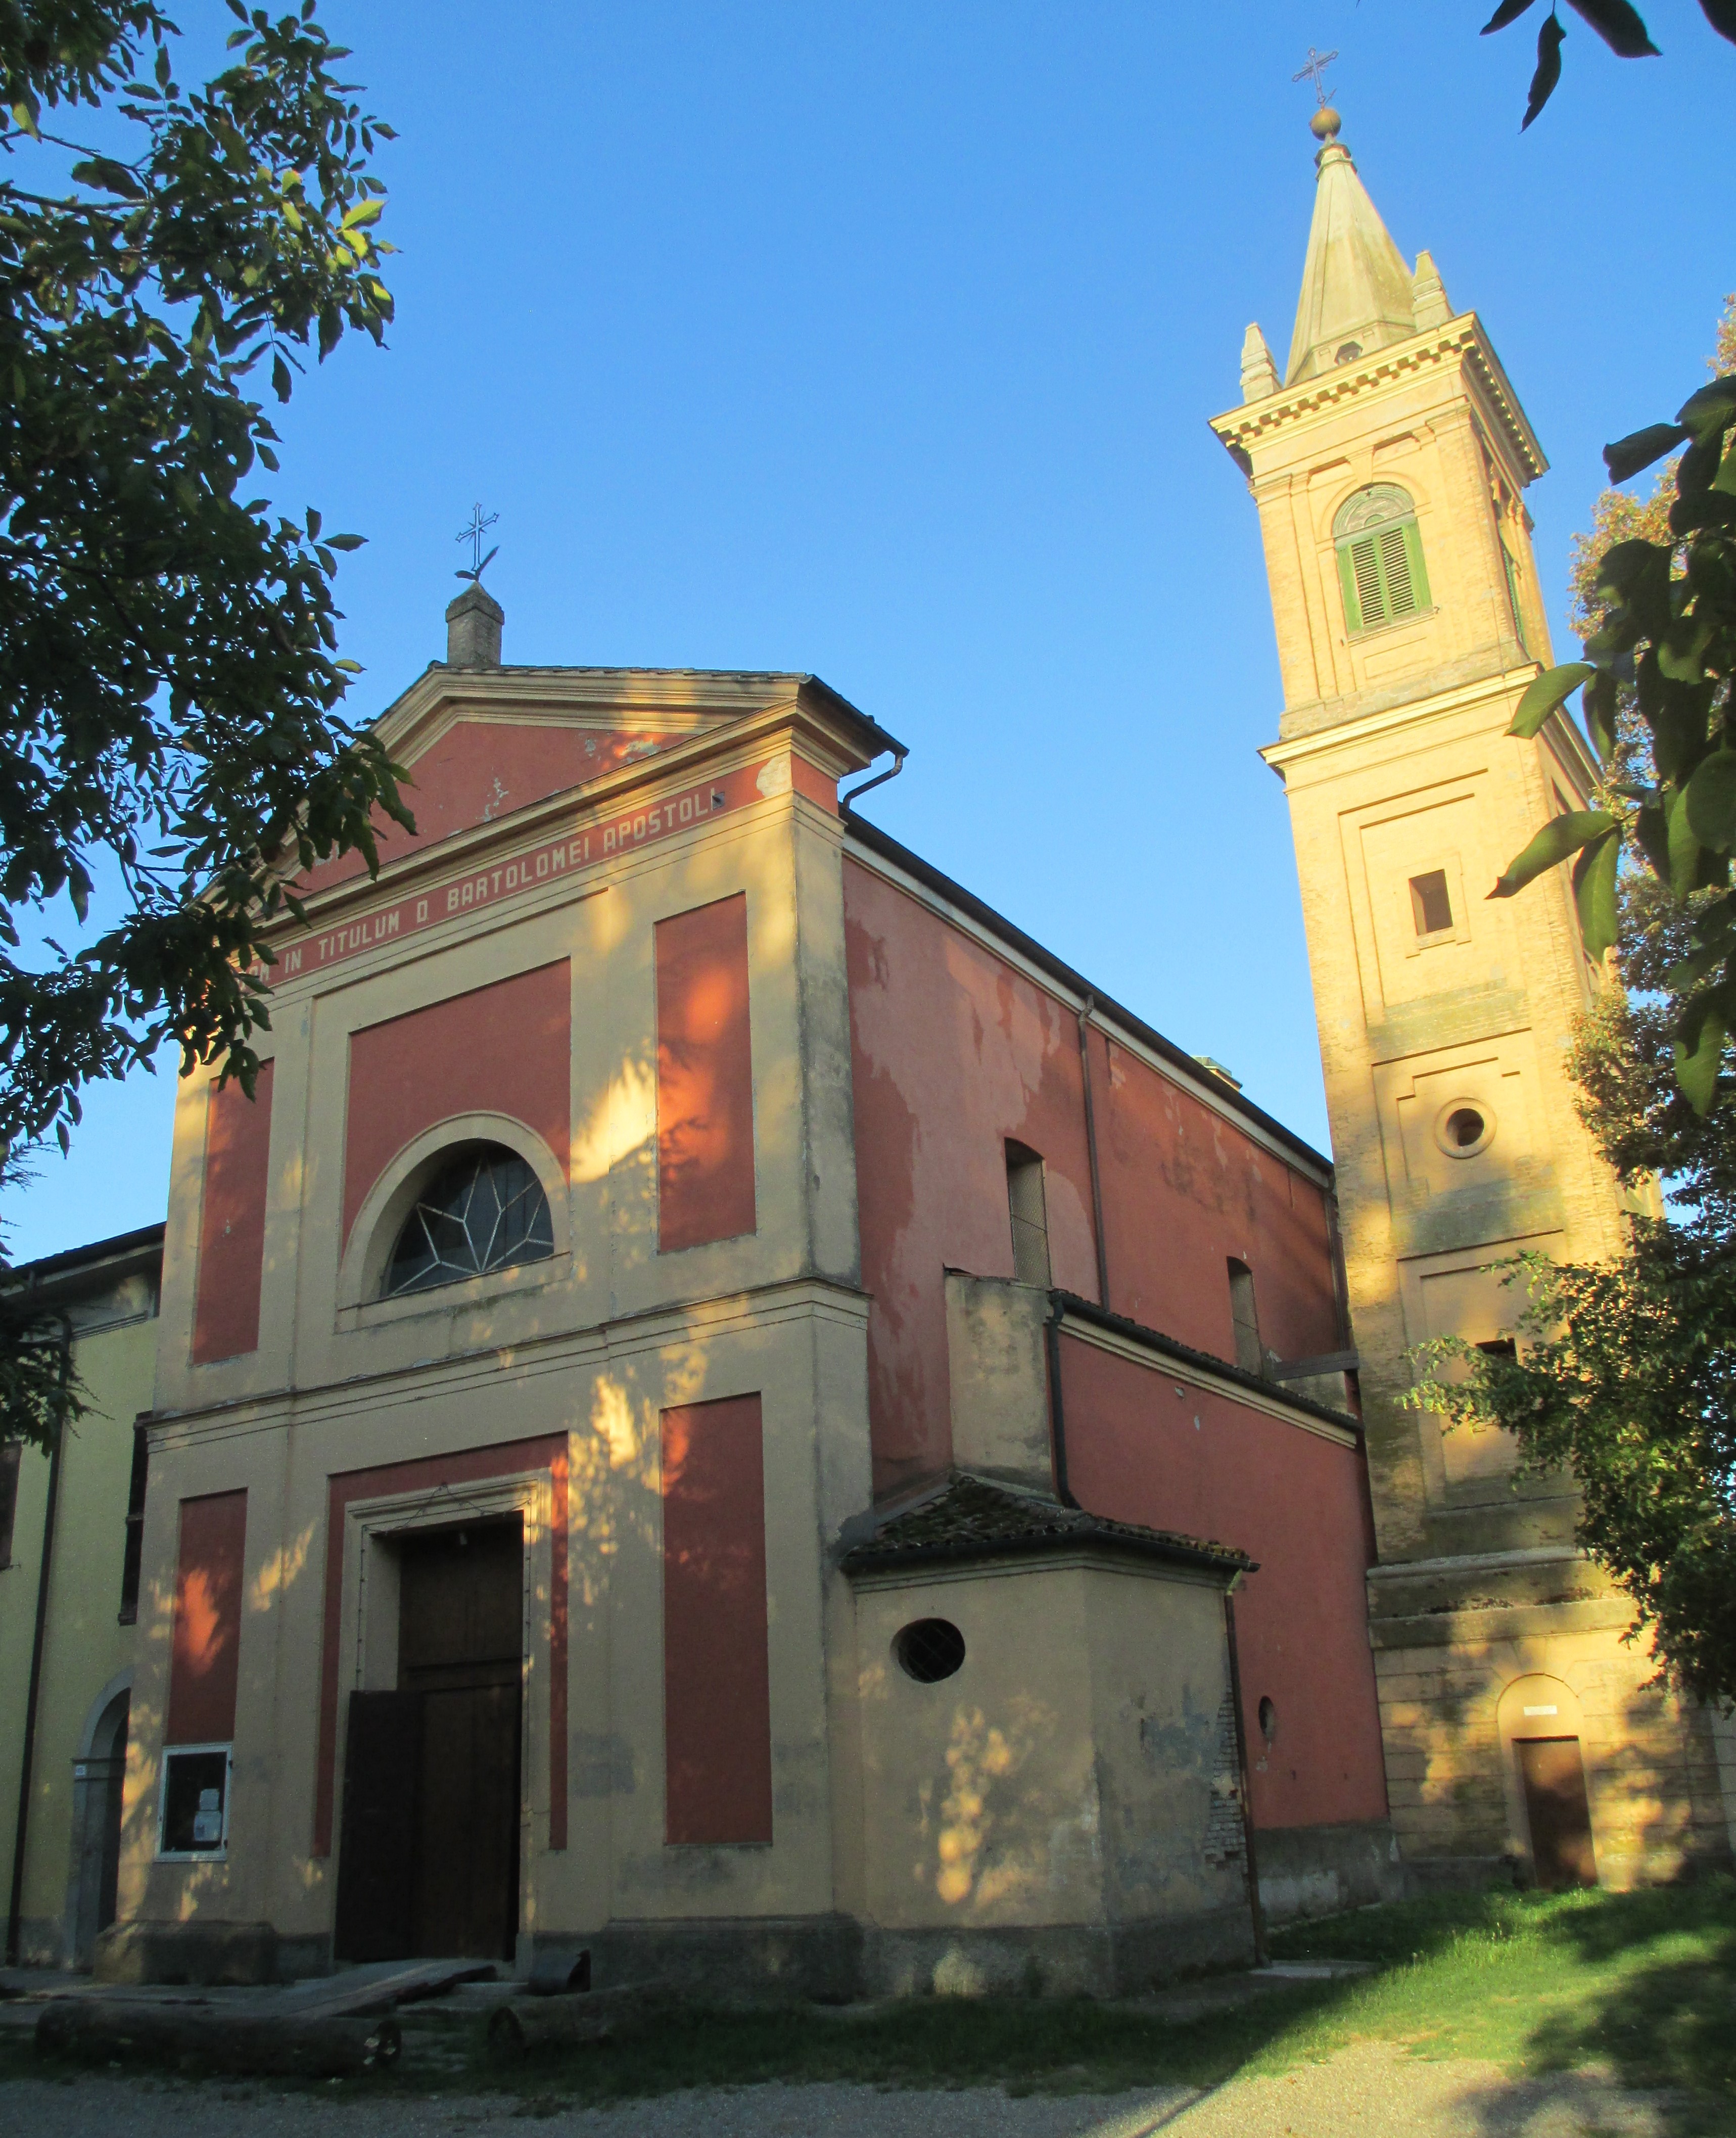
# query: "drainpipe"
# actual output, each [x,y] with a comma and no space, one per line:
[1261,1953]
[1057,1415]
[879,779]
[1089,1004]
[15,1913]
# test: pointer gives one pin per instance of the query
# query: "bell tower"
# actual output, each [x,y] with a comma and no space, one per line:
[1389,464]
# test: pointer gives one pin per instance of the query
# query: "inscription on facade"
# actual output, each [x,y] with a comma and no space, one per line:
[596,841]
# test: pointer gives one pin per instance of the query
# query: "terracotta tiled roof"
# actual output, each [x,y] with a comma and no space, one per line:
[971,1518]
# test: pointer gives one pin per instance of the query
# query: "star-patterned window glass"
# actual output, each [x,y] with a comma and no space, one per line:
[484,1211]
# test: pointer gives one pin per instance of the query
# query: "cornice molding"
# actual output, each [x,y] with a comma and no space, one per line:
[1461,340]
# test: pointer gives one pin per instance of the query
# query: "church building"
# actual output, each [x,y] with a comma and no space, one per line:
[721,1408]
[718,1407]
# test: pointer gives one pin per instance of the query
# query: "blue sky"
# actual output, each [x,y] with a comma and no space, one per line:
[880,342]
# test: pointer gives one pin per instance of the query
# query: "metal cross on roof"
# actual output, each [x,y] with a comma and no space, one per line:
[473,534]
[1315,70]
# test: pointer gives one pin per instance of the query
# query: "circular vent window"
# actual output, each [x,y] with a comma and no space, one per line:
[928,1649]
[1463,1130]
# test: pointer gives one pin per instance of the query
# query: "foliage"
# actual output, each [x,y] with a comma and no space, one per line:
[169,685]
[1627,1377]
[1667,634]
[1620,25]
[1627,1372]
[167,667]
[40,1394]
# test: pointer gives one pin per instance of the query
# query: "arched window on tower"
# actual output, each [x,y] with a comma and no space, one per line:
[1380,558]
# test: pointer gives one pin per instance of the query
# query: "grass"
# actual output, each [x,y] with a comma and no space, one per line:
[1644,1983]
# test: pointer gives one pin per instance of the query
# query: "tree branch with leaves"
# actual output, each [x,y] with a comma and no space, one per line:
[1621,27]
[171,691]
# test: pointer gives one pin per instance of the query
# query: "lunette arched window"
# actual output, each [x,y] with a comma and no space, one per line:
[1380,558]
[485,1209]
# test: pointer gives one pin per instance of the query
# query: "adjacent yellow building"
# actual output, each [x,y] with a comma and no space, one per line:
[1388,465]
[67,1630]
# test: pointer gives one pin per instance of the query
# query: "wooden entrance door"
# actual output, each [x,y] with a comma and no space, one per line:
[1552,1776]
[429,1863]
[460,1649]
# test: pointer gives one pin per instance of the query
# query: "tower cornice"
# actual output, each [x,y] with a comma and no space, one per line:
[1462,341]
[1492,697]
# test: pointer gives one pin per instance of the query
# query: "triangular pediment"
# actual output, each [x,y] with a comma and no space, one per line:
[480,745]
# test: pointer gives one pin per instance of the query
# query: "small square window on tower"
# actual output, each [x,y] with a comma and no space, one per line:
[1030,1217]
[1431,905]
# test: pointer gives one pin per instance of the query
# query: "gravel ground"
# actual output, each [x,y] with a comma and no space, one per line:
[1369,2091]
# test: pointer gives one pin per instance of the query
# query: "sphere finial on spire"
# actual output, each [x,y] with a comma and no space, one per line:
[1325,123]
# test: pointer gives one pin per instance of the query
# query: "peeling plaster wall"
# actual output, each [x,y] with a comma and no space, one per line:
[1142,1448]
[955,1052]
[1026,1791]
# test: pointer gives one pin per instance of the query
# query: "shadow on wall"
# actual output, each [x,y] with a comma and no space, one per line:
[614,1425]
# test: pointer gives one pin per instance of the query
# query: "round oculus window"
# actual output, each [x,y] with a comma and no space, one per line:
[1462,1129]
[928,1649]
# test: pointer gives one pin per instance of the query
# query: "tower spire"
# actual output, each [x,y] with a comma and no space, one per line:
[1356,288]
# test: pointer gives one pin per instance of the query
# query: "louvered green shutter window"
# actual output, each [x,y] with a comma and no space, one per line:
[1347,581]
[1513,596]
[1380,558]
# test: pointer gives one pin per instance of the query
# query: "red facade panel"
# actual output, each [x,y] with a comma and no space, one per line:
[480,770]
[1142,1448]
[502,1049]
[1170,1161]
[206,1652]
[704,1077]
[232,1220]
[954,1052]
[717,1690]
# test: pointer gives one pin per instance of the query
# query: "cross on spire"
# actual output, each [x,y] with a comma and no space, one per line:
[1315,70]
[473,534]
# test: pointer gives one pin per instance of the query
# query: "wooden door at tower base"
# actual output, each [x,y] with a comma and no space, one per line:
[1552,1777]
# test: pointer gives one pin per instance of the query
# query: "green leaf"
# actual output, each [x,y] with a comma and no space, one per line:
[1545,692]
[1510,11]
[1698,1048]
[1709,801]
[281,378]
[1693,969]
[1598,706]
[1684,848]
[1559,839]
[1594,893]
[1620,27]
[1639,449]
[1548,69]
[1711,410]
[1652,828]
[1681,656]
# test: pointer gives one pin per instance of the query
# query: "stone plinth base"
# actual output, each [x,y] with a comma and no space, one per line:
[187,1952]
[1322,1870]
